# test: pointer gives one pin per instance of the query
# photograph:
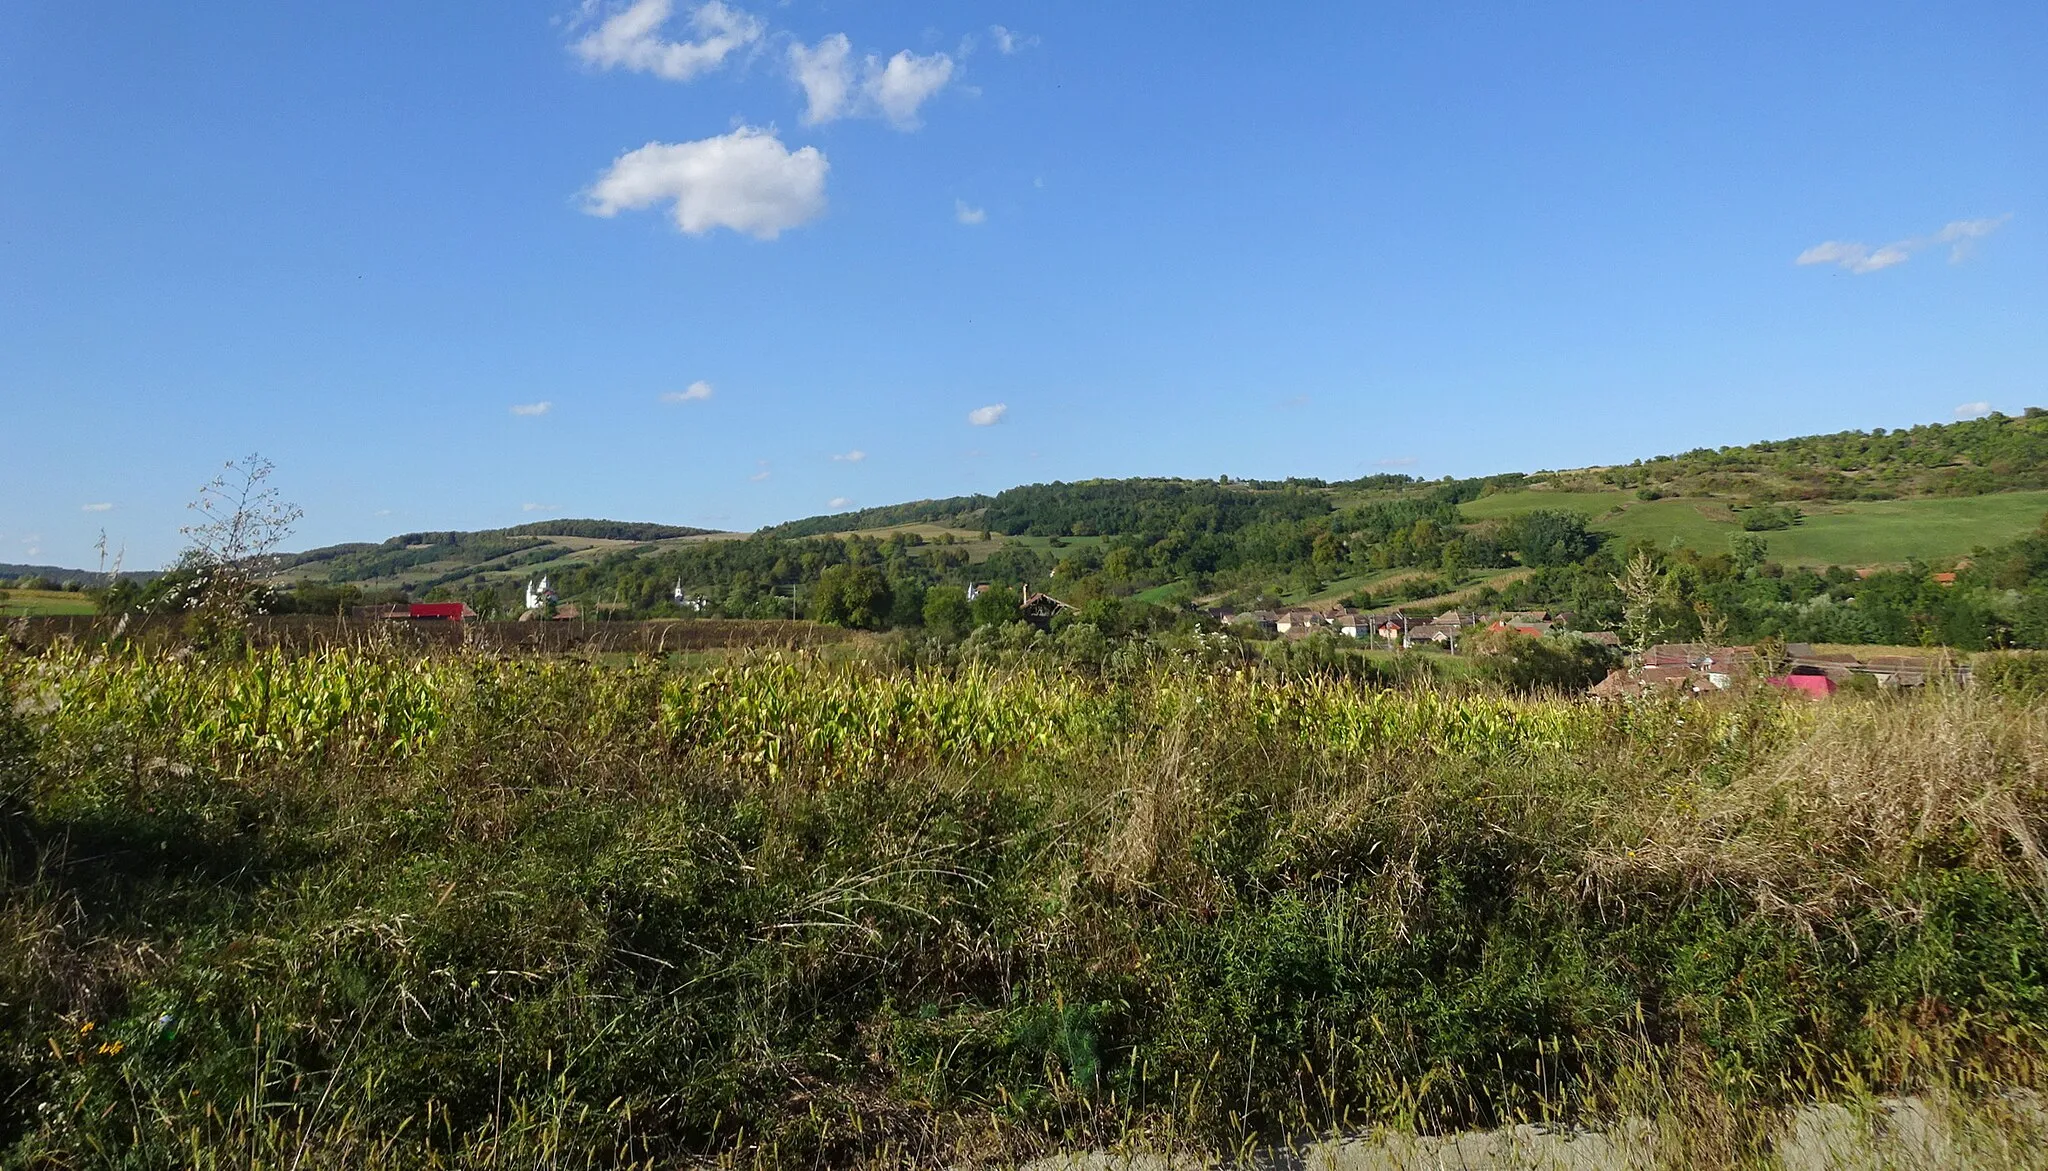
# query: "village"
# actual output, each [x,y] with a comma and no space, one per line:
[1666,668]
[1673,668]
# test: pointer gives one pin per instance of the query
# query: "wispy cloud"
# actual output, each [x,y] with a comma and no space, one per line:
[103,506]
[531,507]
[1395,461]
[631,38]
[851,457]
[1959,236]
[893,90]
[1009,41]
[696,392]
[838,502]
[1294,402]
[987,416]
[762,472]
[968,215]
[531,409]
[746,181]
[826,75]
[1972,410]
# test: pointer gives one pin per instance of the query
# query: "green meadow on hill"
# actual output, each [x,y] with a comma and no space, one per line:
[1860,533]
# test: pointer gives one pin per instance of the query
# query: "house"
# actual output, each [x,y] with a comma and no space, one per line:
[1298,622]
[975,588]
[1261,619]
[1834,664]
[1898,670]
[1724,665]
[393,613]
[1352,624]
[1039,608]
[1676,677]
[1807,681]
[1675,654]
[1392,628]
[1428,634]
[566,612]
[1626,684]
[440,611]
[1619,684]
[1522,626]
[1603,637]
[1456,619]
[1944,579]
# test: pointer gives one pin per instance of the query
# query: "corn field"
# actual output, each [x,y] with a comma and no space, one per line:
[362,907]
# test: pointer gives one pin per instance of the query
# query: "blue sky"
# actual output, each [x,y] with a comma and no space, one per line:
[369,239]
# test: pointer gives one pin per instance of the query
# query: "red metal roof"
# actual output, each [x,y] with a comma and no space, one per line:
[1814,685]
[450,611]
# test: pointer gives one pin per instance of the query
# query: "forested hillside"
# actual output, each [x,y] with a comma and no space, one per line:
[1826,538]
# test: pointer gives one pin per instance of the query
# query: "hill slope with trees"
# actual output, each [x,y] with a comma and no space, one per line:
[1825,538]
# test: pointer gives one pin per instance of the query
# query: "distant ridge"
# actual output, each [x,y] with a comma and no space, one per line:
[58,573]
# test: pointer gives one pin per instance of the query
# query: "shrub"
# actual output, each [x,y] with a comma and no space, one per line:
[2021,675]
[1566,662]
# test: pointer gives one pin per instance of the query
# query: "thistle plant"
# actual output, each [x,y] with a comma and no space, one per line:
[232,548]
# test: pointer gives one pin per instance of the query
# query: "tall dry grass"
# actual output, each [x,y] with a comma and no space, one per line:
[365,907]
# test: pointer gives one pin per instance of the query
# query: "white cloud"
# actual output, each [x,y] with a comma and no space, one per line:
[763,473]
[1972,410]
[893,90]
[540,507]
[530,409]
[630,38]
[746,181]
[839,502]
[851,457]
[968,215]
[382,512]
[1009,41]
[1960,236]
[101,507]
[696,392]
[1395,461]
[826,75]
[904,84]
[987,416]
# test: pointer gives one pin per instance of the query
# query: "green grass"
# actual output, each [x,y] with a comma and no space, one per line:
[1161,595]
[1857,533]
[1045,544]
[1379,581]
[34,603]
[1874,532]
[363,909]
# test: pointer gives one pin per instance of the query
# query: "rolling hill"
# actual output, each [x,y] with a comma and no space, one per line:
[1798,516]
